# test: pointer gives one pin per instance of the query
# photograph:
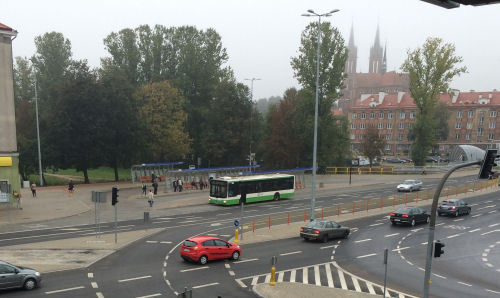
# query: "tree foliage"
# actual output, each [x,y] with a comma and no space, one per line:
[373,144]
[431,69]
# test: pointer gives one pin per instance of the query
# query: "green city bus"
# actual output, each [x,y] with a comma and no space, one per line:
[256,188]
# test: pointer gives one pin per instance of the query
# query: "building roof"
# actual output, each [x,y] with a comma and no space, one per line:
[5,27]
[372,80]
[404,100]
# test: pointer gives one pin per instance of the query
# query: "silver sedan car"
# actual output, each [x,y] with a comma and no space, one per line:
[12,276]
[410,185]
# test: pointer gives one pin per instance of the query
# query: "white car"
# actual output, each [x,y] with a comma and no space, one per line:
[410,185]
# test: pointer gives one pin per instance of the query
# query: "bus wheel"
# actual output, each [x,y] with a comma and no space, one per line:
[276,196]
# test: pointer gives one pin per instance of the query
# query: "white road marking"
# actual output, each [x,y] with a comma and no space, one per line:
[65,290]
[490,232]
[493,211]
[215,224]
[268,278]
[90,275]
[254,280]
[244,261]
[134,278]
[227,213]
[359,241]
[206,285]
[292,275]
[193,269]
[489,206]
[369,285]
[390,235]
[476,215]
[459,219]
[329,275]
[305,277]
[94,285]
[150,241]
[439,275]
[342,280]
[187,221]
[281,275]
[152,295]
[365,256]
[493,225]
[99,295]
[316,275]
[475,230]
[242,284]
[496,292]
[225,235]
[70,229]
[356,284]
[453,236]
[329,246]
[377,224]
[231,272]
[440,224]
[212,234]
[227,266]
[424,243]
[291,253]
[401,248]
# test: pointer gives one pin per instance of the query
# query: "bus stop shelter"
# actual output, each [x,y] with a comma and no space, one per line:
[144,172]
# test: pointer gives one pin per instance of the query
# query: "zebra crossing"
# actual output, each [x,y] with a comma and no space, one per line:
[325,274]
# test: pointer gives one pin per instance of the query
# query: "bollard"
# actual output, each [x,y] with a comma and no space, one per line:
[321,213]
[236,236]
[288,219]
[272,282]
[253,226]
[338,210]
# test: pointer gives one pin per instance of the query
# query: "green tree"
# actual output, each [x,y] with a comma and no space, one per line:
[373,144]
[162,116]
[431,68]
[124,50]
[333,55]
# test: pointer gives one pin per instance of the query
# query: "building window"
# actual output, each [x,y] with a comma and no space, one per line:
[400,137]
[479,131]
[388,147]
[459,114]
[354,115]
[389,115]
[457,136]
[380,125]
[491,136]
[363,116]
[389,125]
[402,115]
[493,113]
[388,136]
[401,125]
[458,125]
[412,115]
[361,126]
[381,115]
[467,136]
[481,120]
[470,114]
[353,125]
[493,124]
[469,125]
[372,115]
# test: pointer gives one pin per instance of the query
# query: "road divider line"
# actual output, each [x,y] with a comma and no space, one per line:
[325,247]
[231,272]
[206,285]
[134,278]
[493,225]
[94,285]
[244,261]
[242,284]
[439,275]
[453,236]
[194,269]
[150,241]
[291,253]
[401,248]
[366,256]
[476,215]
[475,230]
[390,235]
[377,224]
[166,242]
[149,296]
[99,295]
[65,290]
[225,235]
[364,240]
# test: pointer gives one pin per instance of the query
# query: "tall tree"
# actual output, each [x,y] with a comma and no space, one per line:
[373,144]
[162,115]
[431,68]
[124,52]
[333,55]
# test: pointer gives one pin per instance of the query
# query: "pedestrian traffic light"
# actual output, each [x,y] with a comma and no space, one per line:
[114,195]
[488,164]
[438,249]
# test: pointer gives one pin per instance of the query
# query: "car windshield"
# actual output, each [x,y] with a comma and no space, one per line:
[403,210]
[408,182]
[189,243]
[315,224]
[447,203]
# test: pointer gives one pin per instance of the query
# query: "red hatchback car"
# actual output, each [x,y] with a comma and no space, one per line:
[204,248]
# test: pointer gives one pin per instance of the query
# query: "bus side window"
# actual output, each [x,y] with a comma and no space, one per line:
[233,189]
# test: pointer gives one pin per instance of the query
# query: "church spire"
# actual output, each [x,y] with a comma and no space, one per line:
[384,61]
[352,55]
[376,55]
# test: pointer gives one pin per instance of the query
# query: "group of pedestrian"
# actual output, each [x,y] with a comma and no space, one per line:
[177,184]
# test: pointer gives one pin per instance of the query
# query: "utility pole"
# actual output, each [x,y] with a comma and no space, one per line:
[251,120]
[38,136]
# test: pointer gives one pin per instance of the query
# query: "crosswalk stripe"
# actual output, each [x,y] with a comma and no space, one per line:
[292,275]
[268,278]
[305,278]
[254,280]
[369,285]
[316,275]
[342,280]
[329,275]
[356,284]
[280,276]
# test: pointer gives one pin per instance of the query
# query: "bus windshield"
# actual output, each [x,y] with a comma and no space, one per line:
[218,189]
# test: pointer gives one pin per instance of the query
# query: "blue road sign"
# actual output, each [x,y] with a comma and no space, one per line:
[236,223]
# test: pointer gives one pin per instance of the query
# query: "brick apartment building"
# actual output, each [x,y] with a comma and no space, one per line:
[472,119]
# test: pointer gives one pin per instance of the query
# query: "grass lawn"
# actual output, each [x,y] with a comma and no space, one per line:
[61,177]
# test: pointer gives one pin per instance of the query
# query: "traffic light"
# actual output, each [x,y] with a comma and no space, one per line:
[438,249]
[488,164]
[114,195]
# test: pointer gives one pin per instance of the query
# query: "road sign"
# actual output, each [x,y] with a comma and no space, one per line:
[236,223]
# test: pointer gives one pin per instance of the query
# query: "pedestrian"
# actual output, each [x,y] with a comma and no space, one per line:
[155,187]
[153,177]
[151,198]
[174,184]
[193,184]
[71,186]
[144,188]
[179,184]
[33,189]
[17,197]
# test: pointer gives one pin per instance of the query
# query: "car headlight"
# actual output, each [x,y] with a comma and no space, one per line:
[37,273]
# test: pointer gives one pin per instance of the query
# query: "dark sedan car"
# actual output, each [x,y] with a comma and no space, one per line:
[409,215]
[12,276]
[323,230]
[453,207]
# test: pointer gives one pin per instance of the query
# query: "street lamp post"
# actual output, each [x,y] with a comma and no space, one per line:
[38,136]
[251,113]
[311,13]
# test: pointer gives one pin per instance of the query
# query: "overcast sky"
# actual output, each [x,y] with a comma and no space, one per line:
[262,35]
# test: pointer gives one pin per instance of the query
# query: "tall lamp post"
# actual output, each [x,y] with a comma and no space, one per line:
[251,112]
[311,13]
[38,136]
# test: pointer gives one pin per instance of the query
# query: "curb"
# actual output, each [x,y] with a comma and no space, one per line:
[256,292]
